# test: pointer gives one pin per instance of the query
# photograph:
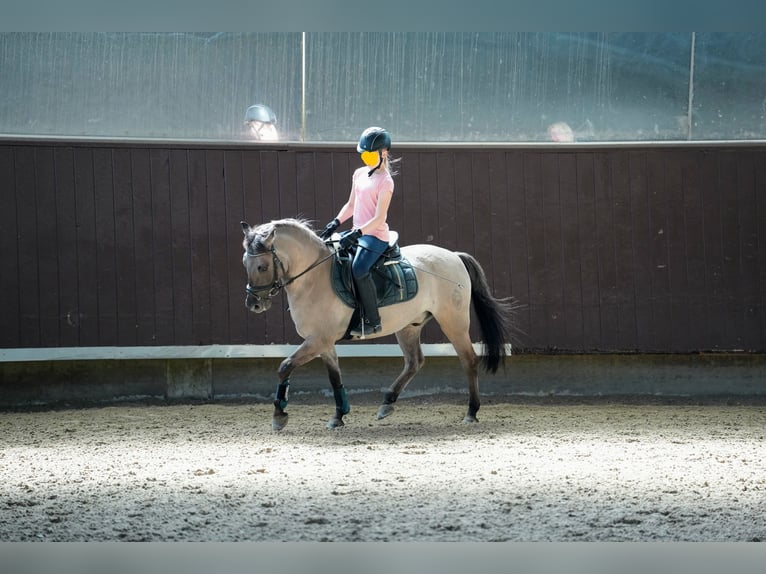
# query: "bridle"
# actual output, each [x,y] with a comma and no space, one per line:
[277,284]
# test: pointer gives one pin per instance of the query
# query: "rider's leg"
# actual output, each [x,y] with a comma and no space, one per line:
[367,253]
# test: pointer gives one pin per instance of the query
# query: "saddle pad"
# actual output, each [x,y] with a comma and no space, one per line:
[394,279]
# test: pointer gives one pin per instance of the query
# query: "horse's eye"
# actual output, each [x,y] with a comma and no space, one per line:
[262,268]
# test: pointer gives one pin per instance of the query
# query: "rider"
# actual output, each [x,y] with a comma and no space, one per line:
[371,191]
[261,122]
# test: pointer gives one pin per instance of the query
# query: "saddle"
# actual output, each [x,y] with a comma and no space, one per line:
[393,275]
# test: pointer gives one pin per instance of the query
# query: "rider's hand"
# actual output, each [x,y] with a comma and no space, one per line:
[350,238]
[330,229]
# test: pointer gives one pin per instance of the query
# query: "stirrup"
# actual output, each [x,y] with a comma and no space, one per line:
[365,328]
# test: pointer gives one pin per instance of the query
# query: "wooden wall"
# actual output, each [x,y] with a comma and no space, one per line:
[609,249]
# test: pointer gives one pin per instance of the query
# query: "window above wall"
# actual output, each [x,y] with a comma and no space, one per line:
[423,87]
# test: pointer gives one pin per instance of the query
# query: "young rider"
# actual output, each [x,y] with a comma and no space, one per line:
[371,191]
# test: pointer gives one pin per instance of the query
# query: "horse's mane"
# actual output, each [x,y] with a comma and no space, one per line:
[255,240]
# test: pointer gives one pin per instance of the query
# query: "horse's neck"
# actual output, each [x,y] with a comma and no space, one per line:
[300,252]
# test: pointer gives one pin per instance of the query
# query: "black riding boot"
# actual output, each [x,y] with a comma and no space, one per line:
[370,320]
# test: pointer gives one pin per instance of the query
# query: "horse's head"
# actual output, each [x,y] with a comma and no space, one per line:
[261,262]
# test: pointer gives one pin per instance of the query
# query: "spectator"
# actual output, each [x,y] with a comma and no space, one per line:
[261,122]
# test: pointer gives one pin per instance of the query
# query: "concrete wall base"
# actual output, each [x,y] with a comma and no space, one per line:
[55,382]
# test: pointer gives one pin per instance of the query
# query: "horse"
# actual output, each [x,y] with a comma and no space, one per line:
[288,255]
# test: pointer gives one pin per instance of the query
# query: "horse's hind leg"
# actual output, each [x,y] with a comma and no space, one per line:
[330,360]
[470,363]
[409,340]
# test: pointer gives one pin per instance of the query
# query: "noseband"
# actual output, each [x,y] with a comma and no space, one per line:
[277,284]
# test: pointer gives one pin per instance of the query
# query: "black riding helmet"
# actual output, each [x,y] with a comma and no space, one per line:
[373,139]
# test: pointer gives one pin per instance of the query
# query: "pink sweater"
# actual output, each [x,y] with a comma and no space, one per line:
[366,193]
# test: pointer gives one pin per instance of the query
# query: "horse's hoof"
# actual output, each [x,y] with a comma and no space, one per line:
[278,422]
[335,423]
[470,419]
[384,411]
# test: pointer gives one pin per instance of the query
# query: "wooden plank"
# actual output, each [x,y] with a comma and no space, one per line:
[499,268]
[625,298]
[125,261]
[143,247]
[552,251]
[66,246]
[677,253]
[180,228]
[235,212]
[643,237]
[310,191]
[534,206]
[445,206]
[48,274]
[429,198]
[747,203]
[106,246]
[87,268]
[662,318]
[200,247]
[693,212]
[760,187]
[162,242]
[605,237]
[9,278]
[218,235]
[572,320]
[713,249]
[28,248]
[464,216]
[320,171]
[410,227]
[728,182]
[588,244]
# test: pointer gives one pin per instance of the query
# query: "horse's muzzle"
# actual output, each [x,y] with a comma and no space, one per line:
[257,304]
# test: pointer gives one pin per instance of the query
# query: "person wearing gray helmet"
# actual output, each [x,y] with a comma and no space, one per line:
[261,122]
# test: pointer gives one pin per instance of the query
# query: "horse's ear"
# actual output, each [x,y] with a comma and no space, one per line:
[245,226]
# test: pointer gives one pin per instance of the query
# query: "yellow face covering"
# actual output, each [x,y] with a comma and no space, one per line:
[371,158]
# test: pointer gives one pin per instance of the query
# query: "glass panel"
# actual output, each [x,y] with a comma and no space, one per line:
[729,99]
[472,87]
[178,85]
[497,87]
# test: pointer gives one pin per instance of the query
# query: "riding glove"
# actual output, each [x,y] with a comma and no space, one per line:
[330,229]
[350,238]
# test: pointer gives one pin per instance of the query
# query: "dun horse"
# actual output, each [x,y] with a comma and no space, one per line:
[288,255]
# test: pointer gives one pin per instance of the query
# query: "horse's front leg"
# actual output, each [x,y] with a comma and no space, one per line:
[302,355]
[342,406]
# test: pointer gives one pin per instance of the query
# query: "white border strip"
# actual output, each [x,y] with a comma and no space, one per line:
[211,352]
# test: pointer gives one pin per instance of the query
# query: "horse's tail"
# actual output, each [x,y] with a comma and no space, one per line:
[495,315]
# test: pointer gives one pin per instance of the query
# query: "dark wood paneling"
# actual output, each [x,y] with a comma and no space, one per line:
[162,242]
[217,224]
[87,269]
[180,226]
[610,249]
[28,271]
[9,242]
[48,267]
[235,212]
[106,246]
[66,249]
